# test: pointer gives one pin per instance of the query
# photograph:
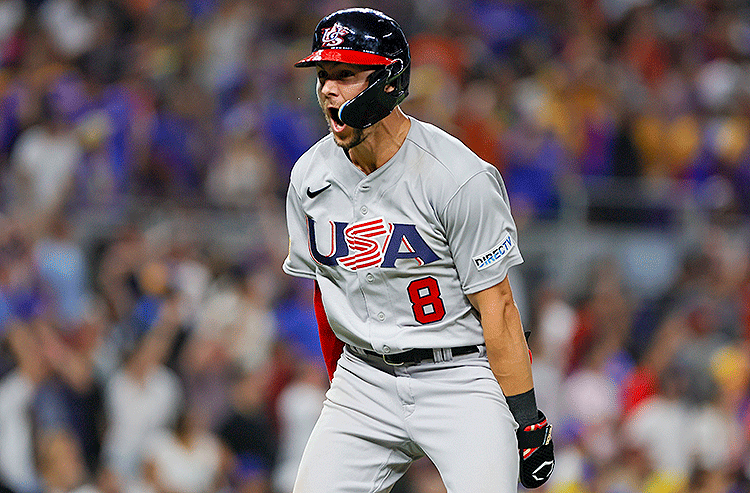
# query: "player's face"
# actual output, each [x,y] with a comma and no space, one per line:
[337,84]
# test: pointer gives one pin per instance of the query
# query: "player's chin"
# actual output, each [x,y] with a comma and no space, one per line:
[349,138]
[345,143]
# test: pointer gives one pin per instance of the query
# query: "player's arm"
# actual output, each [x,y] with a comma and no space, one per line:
[506,344]
[299,263]
[331,346]
[510,361]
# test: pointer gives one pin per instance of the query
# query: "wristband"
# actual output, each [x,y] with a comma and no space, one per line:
[523,408]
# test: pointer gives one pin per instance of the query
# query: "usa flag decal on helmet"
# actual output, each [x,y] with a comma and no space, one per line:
[334,35]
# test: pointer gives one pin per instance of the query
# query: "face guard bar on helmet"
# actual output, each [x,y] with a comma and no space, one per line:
[376,101]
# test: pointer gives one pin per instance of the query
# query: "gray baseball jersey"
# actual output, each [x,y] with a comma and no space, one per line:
[396,251]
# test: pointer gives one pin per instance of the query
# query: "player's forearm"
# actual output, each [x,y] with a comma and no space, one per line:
[507,351]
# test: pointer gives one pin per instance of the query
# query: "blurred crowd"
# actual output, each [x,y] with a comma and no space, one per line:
[142,354]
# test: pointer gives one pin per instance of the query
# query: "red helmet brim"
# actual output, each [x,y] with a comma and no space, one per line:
[343,55]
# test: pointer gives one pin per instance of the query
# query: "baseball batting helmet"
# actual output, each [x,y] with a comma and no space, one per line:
[365,37]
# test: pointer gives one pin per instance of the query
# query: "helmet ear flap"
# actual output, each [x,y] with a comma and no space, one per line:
[368,107]
[389,72]
[374,77]
[395,69]
[375,103]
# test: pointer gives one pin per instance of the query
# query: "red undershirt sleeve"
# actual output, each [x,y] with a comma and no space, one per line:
[331,346]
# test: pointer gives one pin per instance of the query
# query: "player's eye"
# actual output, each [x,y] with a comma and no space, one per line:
[322,75]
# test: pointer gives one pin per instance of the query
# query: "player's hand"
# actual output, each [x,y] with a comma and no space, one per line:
[537,453]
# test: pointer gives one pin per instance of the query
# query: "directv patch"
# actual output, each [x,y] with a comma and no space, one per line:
[487,259]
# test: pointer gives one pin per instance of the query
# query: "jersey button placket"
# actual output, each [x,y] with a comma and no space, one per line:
[363,189]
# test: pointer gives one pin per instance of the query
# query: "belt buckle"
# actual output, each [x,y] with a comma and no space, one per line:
[389,363]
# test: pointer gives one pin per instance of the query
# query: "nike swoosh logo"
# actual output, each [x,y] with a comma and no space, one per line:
[312,194]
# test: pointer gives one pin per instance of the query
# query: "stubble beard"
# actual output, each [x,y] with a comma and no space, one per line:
[356,137]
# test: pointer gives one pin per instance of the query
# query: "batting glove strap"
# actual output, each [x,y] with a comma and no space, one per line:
[536,453]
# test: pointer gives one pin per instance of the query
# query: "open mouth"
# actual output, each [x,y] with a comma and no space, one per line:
[336,123]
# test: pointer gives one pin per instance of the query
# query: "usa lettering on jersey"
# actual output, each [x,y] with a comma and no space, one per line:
[364,248]
[487,259]
[370,243]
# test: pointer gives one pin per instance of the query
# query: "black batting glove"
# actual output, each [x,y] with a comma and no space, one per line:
[536,452]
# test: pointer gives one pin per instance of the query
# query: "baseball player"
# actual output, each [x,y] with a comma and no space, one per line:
[409,238]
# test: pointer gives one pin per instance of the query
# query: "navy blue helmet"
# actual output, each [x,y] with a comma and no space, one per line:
[362,36]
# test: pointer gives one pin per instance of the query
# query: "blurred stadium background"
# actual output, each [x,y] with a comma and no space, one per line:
[150,342]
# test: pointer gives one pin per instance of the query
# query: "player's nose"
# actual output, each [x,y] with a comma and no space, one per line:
[329,87]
